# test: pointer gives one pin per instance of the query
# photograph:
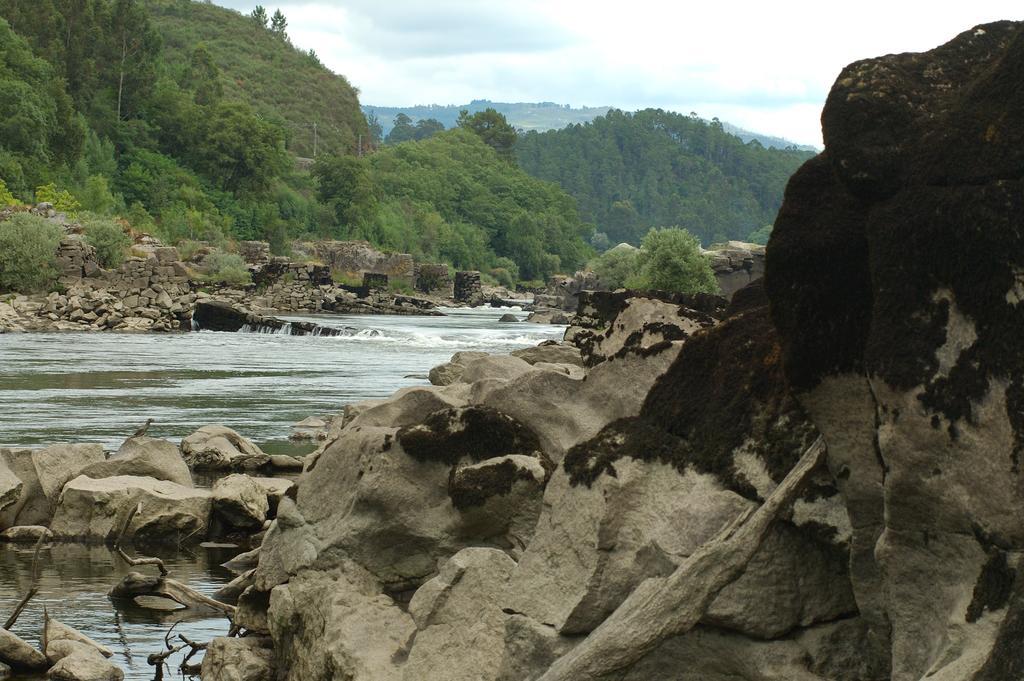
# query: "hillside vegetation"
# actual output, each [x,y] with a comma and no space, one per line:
[634,171]
[290,86]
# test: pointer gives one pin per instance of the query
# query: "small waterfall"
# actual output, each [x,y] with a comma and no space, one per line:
[195,324]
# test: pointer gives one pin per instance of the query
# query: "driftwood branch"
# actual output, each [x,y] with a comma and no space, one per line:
[135,562]
[664,607]
[136,584]
[33,588]
[158,660]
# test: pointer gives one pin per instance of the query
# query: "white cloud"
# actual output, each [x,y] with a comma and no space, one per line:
[766,66]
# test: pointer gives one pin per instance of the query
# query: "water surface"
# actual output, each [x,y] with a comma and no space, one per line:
[100,387]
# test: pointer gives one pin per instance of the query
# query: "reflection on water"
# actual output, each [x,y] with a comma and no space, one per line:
[100,387]
[74,579]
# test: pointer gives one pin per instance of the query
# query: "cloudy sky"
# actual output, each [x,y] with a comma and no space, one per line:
[765,66]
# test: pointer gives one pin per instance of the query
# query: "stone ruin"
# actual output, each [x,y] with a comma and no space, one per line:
[467,287]
[433,278]
[736,264]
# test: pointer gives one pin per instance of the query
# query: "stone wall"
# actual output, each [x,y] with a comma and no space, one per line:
[254,252]
[467,288]
[76,259]
[359,257]
[434,278]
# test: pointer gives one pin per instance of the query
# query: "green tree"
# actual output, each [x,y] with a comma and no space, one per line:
[109,239]
[402,130]
[492,128]
[28,253]
[279,25]
[760,236]
[344,184]
[132,52]
[428,127]
[259,15]
[240,150]
[376,129]
[615,267]
[670,259]
[203,77]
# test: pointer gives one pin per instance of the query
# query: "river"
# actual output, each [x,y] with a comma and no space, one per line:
[90,387]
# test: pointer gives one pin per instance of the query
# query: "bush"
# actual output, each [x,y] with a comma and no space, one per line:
[61,199]
[227,268]
[615,267]
[28,253]
[109,239]
[97,197]
[670,259]
[6,197]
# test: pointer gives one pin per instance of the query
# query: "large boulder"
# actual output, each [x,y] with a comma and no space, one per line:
[894,272]
[19,654]
[386,498]
[30,507]
[95,510]
[451,371]
[55,630]
[336,624]
[217,447]
[10,486]
[550,353]
[239,659]
[408,406]
[57,464]
[240,502]
[460,628]
[144,457]
[77,661]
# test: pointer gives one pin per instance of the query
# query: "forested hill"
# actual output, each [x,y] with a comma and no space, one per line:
[539,116]
[633,171]
[283,83]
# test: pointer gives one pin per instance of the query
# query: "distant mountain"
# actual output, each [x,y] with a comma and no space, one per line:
[539,117]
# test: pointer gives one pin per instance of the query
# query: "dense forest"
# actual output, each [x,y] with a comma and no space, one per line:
[634,171]
[187,119]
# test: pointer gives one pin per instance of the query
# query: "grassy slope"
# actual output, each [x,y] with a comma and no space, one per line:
[278,80]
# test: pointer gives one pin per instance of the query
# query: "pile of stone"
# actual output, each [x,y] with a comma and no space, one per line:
[150,294]
[255,253]
[467,289]
[68,654]
[354,258]
[76,259]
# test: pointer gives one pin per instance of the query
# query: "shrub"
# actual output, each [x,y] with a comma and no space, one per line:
[61,199]
[615,267]
[6,197]
[28,253]
[670,259]
[228,268]
[97,197]
[109,239]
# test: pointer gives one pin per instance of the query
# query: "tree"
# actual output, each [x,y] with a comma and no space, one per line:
[670,259]
[279,25]
[203,77]
[259,15]
[240,150]
[375,128]
[427,127]
[492,128]
[343,182]
[133,48]
[402,130]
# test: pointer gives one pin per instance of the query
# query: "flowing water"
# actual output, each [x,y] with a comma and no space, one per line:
[82,387]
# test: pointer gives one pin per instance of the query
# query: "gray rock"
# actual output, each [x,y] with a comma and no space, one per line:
[144,457]
[95,510]
[32,506]
[80,662]
[557,353]
[460,628]
[240,501]
[58,631]
[500,367]
[10,486]
[217,447]
[239,659]
[337,624]
[449,372]
[25,534]
[283,462]
[57,464]
[18,654]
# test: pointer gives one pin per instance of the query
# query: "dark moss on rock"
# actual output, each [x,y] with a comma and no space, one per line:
[474,433]
[471,487]
[1006,660]
[726,389]
[994,586]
